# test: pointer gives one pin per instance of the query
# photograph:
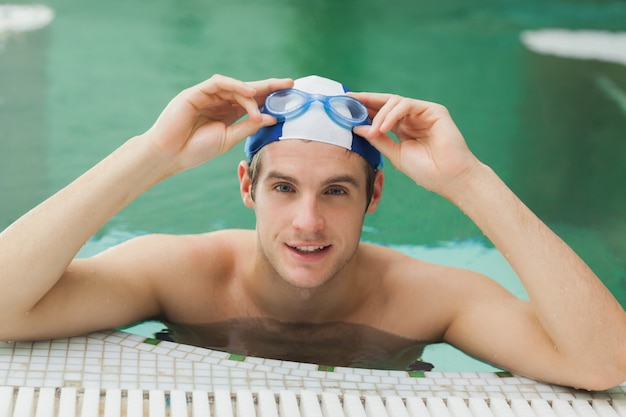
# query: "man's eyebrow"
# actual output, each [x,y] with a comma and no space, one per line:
[276,175]
[342,179]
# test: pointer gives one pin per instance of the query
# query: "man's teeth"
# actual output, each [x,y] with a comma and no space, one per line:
[309,248]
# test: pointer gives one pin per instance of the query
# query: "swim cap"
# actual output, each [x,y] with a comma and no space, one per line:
[315,124]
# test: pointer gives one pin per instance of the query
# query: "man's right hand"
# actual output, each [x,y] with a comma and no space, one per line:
[199,123]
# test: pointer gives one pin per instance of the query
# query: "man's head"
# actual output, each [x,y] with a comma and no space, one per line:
[323,113]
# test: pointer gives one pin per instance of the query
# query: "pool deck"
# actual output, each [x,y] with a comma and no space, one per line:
[119,360]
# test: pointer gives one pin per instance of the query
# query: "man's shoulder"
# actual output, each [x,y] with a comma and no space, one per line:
[386,255]
[235,236]
[401,268]
[196,251]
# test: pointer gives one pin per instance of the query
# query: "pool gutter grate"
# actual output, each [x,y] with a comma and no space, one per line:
[70,402]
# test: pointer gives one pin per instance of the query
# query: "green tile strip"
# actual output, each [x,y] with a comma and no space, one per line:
[416,374]
[235,357]
[504,374]
[150,341]
[325,368]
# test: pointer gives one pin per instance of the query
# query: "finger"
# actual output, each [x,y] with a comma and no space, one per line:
[241,130]
[379,106]
[393,108]
[381,141]
[372,101]
[380,121]
[218,87]
[398,108]
[394,111]
[220,83]
[250,106]
[264,87]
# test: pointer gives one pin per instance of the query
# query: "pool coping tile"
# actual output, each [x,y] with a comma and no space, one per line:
[116,359]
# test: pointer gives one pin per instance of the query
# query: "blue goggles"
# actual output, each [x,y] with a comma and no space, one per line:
[290,103]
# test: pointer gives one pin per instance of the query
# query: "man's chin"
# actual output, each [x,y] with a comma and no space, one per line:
[307,281]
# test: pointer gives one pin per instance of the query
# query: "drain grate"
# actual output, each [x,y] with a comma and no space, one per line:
[72,402]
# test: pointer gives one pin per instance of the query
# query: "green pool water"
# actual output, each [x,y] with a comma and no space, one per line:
[553,128]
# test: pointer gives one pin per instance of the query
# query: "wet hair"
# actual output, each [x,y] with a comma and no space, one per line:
[254,170]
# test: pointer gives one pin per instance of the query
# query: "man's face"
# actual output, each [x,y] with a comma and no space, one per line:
[310,202]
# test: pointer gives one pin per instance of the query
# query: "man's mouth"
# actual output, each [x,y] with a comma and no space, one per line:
[308,249]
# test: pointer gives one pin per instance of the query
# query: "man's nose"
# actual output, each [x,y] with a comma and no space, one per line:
[308,216]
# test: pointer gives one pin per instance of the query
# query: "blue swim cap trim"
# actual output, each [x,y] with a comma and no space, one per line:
[362,146]
[265,135]
[270,134]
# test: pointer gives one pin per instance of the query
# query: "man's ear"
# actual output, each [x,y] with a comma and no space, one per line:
[379,181]
[245,184]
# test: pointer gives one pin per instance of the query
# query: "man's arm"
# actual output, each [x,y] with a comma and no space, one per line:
[572,325]
[41,287]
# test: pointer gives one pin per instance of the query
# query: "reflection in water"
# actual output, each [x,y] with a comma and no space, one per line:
[335,344]
[23,86]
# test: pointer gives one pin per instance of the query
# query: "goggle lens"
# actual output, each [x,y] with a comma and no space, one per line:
[284,101]
[348,108]
[290,103]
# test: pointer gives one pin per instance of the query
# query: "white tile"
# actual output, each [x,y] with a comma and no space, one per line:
[73,376]
[220,373]
[299,372]
[174,353]
[308,366]
[184,372]
[290,365]
[389,380]
[200,372]
[354,377]
[179,364]
[145,347]
[312,374]
[129,363]
[263,368]
[15,381]
[348,385]
[128,378]
[37,367]
[362,371]
[194,357]
[56,365]
[274,363]
[21,359]
[371,379]
[237,373]
[35,375]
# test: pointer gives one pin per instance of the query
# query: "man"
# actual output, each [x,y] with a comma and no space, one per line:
[304,263]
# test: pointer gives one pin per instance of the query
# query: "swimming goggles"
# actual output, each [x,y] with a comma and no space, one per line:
[290,103]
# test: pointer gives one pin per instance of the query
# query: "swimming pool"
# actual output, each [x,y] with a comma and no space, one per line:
[552,127]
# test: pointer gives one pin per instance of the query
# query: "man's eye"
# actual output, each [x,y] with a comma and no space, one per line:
[283,188]
[336,191]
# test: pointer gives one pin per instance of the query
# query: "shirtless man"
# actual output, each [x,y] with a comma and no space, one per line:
[304,262]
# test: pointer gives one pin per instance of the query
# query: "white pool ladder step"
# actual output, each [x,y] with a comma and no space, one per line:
[72,402]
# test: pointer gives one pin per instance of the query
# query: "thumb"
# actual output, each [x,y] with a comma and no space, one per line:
[245,128]
[381,141]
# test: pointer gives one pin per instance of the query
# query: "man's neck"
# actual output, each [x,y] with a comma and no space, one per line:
[335,300]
